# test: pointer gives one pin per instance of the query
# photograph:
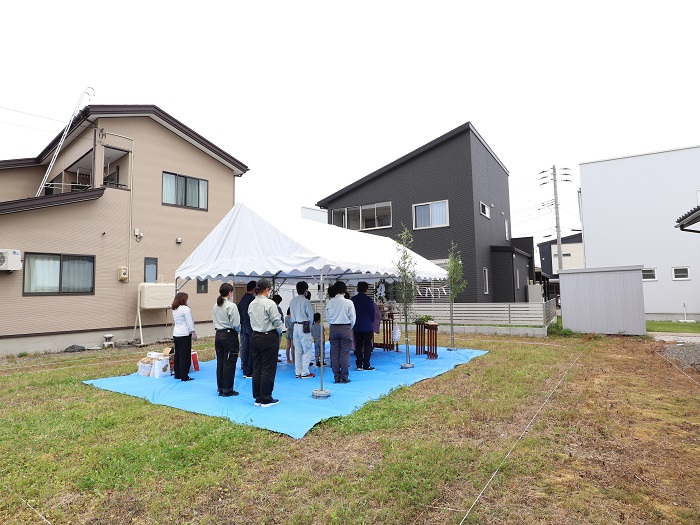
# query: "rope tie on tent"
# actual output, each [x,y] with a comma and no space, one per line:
[27,504]
[527,427]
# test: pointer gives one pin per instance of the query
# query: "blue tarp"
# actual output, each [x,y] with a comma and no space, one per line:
[297,411]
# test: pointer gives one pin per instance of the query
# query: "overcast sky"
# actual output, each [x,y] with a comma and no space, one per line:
[315,95]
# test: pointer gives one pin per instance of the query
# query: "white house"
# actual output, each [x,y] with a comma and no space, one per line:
[629,206]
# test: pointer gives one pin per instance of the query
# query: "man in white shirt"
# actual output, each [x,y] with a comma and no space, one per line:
[302,315]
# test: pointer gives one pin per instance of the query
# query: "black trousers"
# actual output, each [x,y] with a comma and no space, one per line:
[226,346]
[183,356]
[264,349]
[363,348]
[246,354]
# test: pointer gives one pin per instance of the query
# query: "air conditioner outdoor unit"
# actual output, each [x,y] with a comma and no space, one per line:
[10,260]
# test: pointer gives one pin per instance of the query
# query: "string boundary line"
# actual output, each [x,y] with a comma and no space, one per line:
[527,427]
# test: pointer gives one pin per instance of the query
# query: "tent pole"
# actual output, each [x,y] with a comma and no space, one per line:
[321,393]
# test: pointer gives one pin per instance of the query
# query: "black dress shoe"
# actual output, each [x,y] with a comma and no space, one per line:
[187,379]
[229,394]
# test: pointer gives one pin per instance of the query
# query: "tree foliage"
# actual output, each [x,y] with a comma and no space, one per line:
[455,272]
[405,285]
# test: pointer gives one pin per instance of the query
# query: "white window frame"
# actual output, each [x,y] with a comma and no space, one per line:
[486,280]
[507,234]
[359,207]
[673,273]
[391,215]
[344,216]
[649,270]
[485,210]
[429,204]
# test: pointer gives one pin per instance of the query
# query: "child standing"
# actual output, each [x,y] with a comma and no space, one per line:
[319,343]
[290,336]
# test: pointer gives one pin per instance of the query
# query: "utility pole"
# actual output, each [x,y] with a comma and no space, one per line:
[556,206]
[556,218]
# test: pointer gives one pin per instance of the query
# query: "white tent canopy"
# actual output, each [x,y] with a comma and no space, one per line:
[244,245]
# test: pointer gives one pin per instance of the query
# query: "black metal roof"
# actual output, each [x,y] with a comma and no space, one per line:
[323,203]
[687,215]
[689,218]
[569,239]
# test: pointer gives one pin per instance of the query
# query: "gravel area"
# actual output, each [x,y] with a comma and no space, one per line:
[686,353]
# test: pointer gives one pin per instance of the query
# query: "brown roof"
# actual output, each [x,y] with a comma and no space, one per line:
[92,112]
[46,201]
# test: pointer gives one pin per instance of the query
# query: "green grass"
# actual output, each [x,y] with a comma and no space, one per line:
[673,326]
[82,455]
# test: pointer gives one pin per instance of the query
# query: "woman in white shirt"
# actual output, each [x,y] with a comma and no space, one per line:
[183,335]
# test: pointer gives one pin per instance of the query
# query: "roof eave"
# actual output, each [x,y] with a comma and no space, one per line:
[91,113]
[466,127]
[47,201]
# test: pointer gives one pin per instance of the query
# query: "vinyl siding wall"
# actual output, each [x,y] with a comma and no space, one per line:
[442,173]
[490,187]
[78,229]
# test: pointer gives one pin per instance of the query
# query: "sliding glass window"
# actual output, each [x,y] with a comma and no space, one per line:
[185,192]
[57,274]
[365,217]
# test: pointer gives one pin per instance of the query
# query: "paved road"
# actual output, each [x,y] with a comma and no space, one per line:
[676,337]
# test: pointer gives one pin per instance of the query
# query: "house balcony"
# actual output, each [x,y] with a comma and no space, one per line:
[78,176]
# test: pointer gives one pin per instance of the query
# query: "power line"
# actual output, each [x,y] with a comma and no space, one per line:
[33,115]
[27,127]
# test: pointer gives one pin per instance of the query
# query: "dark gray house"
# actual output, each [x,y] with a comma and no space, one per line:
[452,189]
[572,257]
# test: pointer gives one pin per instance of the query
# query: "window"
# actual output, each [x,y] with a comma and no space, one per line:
[649,274]
[150,270]
[202,286]
[484,210]
[486,281]
[365,217]
[517,279]
[430,215]
[56,274]
[338,217]
[682,273]
[112,180]
[376,215]
[507,235]
[352,216]
[186,192]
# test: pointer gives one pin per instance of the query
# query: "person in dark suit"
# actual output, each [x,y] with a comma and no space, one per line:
[364,327]
[246,330]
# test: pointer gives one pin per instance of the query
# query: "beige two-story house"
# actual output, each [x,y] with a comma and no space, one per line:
[130,195]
